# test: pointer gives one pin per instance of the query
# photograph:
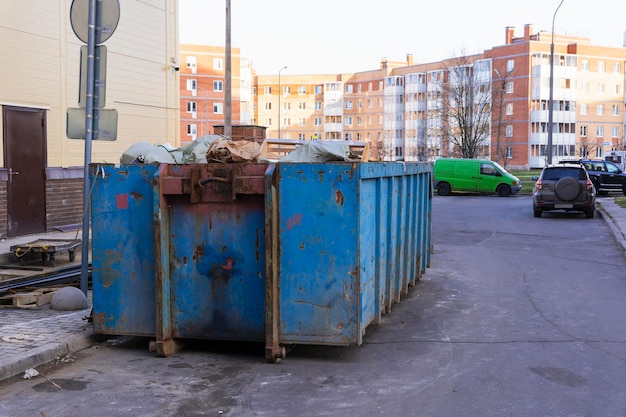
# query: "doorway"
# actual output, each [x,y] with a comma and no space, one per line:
[25,162]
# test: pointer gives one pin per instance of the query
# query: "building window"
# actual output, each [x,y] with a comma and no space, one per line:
[268,121]
[509,152]
[218,108]
[615,131]
[348,104]
[301,121]
[286,90]
[192,129]
[584,109]
[359,88]
[615,110]
[218,86]
[600,110]
[359,104]
[358,121]
[192,85]
[317,121]
[598,152]
[508,131]
[302,105]
[369,103]
[601,88]
[618,88]
[380,86]
[267,90]
[585,87]
[287,121]
[286,106]
[584,65]
[510,65]
[192,106]
[583,131]
[509,109]
[302,90]
[268,105]
[191,64]
[509,87]
[349,88]
[600,131]
[318,89]
[348,121]
[601,66]
[218,63]
[616,67]
[318,105]
[369,86]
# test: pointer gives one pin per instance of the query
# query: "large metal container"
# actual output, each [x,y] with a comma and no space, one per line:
[288,253]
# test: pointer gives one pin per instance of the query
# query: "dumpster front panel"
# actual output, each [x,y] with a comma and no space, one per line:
[318,253]
[123,250]
[346,246]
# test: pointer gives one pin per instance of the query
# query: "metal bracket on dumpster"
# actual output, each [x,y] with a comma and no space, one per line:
[214,182]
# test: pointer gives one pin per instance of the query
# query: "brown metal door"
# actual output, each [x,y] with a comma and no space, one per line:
[25,161]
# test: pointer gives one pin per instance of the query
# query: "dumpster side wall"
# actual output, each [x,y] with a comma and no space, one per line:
[123,250]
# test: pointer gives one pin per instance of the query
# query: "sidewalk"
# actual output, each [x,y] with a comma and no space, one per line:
[32,337]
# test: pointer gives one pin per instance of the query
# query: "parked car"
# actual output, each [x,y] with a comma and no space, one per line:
[474,175]
[606,176]
[564,187]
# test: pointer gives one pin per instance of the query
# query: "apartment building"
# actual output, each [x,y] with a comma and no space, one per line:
[588,97]
[202,90]
[403,108]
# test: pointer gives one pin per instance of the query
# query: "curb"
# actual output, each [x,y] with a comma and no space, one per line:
[44,354]
[613,228]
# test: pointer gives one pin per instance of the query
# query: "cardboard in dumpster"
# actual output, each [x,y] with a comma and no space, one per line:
[223,150]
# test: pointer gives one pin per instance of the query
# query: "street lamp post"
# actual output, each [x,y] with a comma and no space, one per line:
[279,93]
[551,99]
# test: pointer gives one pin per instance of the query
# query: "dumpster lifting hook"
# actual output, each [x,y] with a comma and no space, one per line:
[205,181]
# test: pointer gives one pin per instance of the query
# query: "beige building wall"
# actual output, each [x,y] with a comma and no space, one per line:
[40,56]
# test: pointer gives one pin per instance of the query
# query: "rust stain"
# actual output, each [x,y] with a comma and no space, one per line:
[295,220]
[136,196]
[197,253]
[339,197]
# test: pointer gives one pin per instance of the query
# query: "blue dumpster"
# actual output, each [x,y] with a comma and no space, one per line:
[286,253]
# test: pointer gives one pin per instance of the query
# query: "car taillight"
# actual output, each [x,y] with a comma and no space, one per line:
[589,185]
[539,184]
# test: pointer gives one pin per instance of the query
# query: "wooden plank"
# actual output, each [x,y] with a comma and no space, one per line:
[34,299]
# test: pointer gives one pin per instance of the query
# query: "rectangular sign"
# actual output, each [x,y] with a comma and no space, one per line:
[104,124]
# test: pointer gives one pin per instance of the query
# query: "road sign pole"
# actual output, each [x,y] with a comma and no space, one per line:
[91,52]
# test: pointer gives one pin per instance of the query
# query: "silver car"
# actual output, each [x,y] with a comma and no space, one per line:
[564,187]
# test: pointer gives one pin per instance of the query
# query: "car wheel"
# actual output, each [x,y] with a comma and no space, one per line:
[503,190]
[537,213]
[567,188]
[589,214]
[443,188]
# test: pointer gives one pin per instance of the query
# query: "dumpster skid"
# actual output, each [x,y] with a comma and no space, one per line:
[285,253]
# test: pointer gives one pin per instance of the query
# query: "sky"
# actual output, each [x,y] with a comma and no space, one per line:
[345,36]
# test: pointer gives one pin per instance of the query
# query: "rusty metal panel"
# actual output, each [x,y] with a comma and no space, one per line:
[210,253]
[123,250]
[345,241]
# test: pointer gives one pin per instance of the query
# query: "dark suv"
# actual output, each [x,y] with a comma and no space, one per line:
[564,187]
[606,176]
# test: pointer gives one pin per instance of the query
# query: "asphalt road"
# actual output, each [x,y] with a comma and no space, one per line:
[517,316]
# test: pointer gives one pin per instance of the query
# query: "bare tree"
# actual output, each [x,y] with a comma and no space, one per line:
[499,88]
[467,105]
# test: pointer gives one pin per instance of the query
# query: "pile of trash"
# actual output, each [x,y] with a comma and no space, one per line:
[217,148]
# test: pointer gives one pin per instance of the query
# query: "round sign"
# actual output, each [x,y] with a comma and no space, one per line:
[107,18]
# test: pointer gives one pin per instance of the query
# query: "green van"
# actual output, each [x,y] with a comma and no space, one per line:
[473,175]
